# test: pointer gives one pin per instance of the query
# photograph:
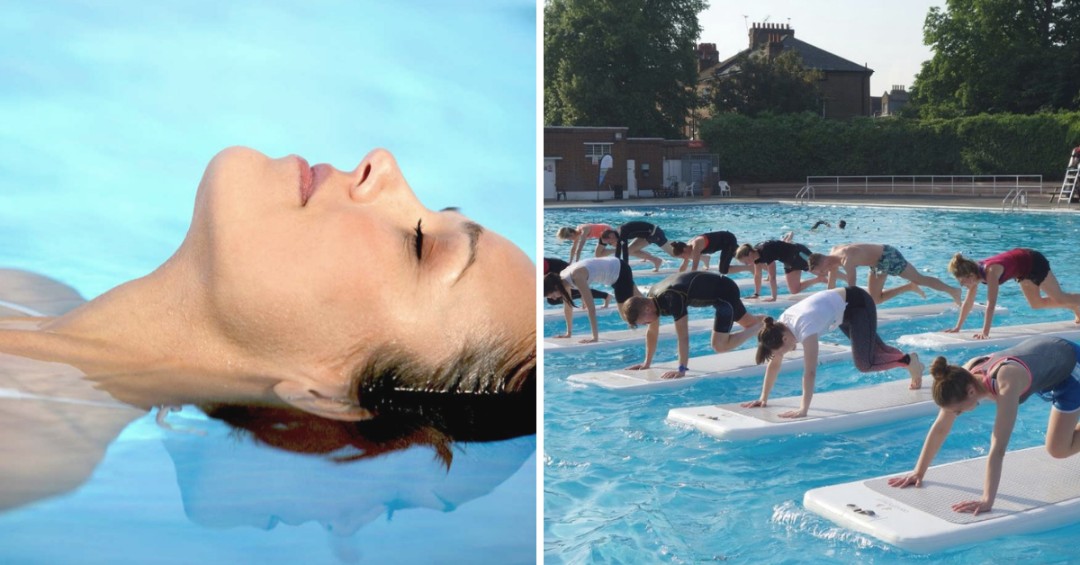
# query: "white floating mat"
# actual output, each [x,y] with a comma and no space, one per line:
[1036,493]
[739,363]
[620,338]
[835,411]
[999,335]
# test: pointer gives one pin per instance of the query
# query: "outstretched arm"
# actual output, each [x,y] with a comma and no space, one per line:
[1011,382]
[965,308]
[682,332]
[772,280]
[931,445]
[652,334]
[991,300]
[810,357]
[771,371]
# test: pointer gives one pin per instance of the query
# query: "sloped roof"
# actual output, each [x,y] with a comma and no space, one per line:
[812,57]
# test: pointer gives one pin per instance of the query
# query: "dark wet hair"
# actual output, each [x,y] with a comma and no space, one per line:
[842,224]
[950,382]
[484,392]
[677,248]
[770,338]
[553,282]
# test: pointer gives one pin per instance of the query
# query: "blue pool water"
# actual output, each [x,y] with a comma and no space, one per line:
[621,485]
[110,111]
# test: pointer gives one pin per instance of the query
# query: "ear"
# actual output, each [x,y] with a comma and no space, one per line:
[307,398]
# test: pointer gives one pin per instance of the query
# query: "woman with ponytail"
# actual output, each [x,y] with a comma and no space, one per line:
[1043,365]
[1029,267]
[850,308]
[579,275]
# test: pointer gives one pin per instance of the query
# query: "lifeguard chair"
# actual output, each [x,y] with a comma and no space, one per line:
[1068,193]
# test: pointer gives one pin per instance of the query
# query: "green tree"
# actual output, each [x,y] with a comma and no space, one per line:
[756,84]
[621,63]
[993,56]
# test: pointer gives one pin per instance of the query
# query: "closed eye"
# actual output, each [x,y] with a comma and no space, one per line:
[418,239]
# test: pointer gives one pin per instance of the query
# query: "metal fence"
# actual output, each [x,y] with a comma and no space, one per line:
[958,185]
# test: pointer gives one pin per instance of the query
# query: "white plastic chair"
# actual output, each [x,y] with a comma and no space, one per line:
[724,188]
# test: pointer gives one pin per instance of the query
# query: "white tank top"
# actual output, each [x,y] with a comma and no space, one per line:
[602,270]
[820,313]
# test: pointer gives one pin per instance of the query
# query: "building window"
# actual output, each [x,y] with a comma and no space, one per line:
[594,151]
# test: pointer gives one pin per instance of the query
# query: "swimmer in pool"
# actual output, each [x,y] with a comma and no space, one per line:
[1029,267]
[268,302]
[1041,365]
[883,260]
[854,312]
[673,296]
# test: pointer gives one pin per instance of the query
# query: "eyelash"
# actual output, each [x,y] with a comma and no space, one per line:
[419,239]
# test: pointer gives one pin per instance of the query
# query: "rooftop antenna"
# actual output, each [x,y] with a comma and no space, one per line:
[766,20]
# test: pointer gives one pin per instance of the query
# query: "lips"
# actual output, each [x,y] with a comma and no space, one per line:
[307,180]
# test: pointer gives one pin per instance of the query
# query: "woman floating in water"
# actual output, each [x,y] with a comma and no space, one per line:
[1038,365]
[854,312]
[270,304]
[1029,267]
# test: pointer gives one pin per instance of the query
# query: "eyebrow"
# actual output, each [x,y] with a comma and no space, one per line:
[473,230]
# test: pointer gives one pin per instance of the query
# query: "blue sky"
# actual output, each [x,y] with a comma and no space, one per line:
[110,110]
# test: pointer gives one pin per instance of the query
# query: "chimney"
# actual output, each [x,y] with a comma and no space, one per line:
[764,33]
[707,56]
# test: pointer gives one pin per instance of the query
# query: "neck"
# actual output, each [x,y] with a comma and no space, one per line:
[147,342]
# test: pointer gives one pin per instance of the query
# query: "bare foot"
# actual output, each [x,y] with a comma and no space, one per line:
[656,261]
[915,367]
[917,290]
[955,293]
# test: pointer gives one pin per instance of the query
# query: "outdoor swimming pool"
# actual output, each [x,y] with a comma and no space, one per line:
[110,111]
[620,483]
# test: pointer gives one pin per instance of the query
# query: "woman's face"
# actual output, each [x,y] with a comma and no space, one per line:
[968,281]
[312,268]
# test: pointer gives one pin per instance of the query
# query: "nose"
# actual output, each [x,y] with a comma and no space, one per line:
[377,176]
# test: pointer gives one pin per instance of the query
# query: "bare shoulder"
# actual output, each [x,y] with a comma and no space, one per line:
[23,293]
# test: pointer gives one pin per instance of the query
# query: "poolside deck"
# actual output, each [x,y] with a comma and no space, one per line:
[757,194]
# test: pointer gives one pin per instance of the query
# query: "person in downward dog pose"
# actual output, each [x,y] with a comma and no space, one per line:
[854,312]
[1040,365]
[600,270]
[883,260]
[672,297]
[1029,267]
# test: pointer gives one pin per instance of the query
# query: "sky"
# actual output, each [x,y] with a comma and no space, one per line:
[887,36]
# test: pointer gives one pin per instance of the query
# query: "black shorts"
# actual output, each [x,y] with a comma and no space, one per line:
[797,262]
[656,237]
[624,285]
[1040,267]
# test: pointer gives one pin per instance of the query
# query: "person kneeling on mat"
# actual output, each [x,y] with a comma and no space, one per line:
[672,296]
[1043,365]
[851,309]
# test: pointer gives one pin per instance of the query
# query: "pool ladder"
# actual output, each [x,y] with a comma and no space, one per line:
[1016,198]
[1068,187]
[806,193]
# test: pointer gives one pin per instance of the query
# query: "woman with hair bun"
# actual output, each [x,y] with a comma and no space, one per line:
[1029,267]
[853,310]
[1043,365]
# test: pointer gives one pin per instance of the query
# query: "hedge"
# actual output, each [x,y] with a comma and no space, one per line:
[789,147]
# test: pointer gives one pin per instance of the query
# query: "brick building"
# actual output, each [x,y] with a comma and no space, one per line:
[845,87]
[641,166]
